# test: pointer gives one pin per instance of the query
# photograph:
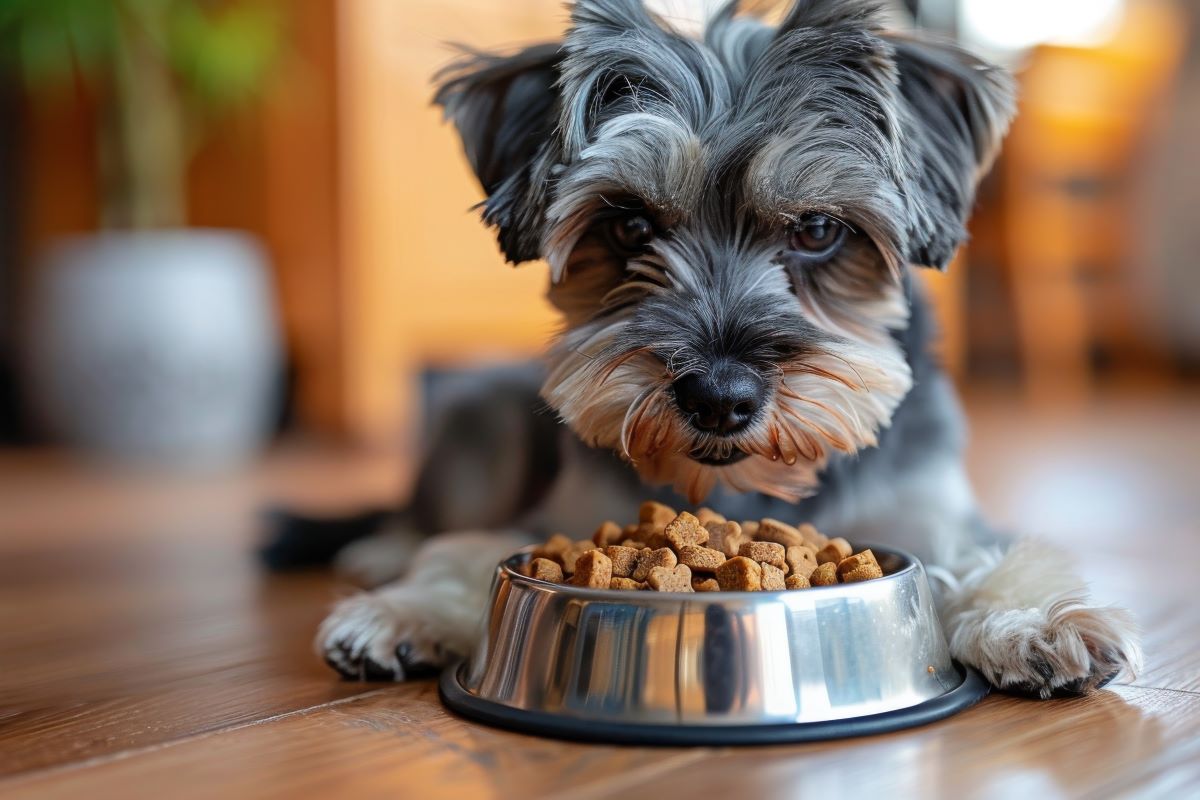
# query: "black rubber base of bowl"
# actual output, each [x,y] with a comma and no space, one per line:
[972,689]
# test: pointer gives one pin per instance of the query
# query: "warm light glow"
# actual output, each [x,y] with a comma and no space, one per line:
[1008,25]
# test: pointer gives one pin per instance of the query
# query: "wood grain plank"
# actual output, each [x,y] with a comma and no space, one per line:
[132,611]
[399,742]
[1128,739]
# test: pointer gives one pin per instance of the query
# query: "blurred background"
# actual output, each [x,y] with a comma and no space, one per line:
[226,224]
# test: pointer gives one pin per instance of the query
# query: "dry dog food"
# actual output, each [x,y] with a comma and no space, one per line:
[669,551]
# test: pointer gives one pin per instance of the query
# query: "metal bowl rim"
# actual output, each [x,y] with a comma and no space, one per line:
[910,565]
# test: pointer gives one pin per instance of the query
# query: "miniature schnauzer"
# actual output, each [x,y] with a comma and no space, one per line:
[730,220]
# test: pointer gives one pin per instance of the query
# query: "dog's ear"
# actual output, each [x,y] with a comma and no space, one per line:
[505,109]
[960,109]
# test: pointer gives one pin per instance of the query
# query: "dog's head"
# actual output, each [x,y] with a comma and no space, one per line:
[728,220]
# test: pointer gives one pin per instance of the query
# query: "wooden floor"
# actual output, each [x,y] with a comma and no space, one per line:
[143,653]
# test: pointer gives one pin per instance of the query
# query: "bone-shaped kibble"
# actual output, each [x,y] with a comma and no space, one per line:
[700,559]
[801,560]
[670,579]
[859,567]
[834,551]
[770,552]
[726,537]
[685,529]
[649,559]
[772,530]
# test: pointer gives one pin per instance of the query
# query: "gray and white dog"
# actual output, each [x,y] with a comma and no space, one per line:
[729,220]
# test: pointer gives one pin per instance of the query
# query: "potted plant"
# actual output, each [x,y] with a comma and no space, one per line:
[148,340]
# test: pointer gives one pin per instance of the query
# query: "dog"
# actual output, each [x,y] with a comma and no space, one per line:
[731,221]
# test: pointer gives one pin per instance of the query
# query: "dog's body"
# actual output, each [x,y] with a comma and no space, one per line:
[729,224]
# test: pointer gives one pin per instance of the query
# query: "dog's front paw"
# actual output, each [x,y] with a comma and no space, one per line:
[367,637]
[1069,649]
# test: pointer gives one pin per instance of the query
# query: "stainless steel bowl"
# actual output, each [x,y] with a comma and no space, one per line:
[719,667]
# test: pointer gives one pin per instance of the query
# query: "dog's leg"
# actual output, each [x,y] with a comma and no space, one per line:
[382,557]
[1016,611]
[423,621]
[1024,619]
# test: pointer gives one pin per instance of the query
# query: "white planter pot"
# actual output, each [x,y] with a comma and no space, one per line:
[159,347]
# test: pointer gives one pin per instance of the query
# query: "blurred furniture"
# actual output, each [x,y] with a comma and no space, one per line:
[1086,114]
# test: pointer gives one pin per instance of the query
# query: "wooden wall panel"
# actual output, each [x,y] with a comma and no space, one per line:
[423,276]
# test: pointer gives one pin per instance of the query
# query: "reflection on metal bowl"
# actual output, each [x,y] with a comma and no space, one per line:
[717,667]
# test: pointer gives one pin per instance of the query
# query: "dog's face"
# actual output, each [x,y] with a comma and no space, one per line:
[728,223]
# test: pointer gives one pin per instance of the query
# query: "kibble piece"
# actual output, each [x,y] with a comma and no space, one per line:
[703,584]
[593,570]
[824,575]
[726,537]
[750,528]
[740,574]
[624,559]
[707,515]
[685,529]
[670,579]
[634,544]
[835,551]
[628,532]
[796,582]
[867,572]
[772,530]
[572,554]
[545,570]
[654,536]
[772,578]
[608,533]
[859,567]
[553,548]
[801,559]
[701,559]
[649,559]
[768,552]
[857,560]
[812,537]
[656,513]
[625,584]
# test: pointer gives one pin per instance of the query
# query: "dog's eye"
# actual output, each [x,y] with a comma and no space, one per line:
[631,234]
[817,236]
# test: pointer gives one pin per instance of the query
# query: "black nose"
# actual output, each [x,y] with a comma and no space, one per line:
[724,400]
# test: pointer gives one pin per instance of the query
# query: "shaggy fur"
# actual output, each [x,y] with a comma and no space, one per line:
[723,149]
